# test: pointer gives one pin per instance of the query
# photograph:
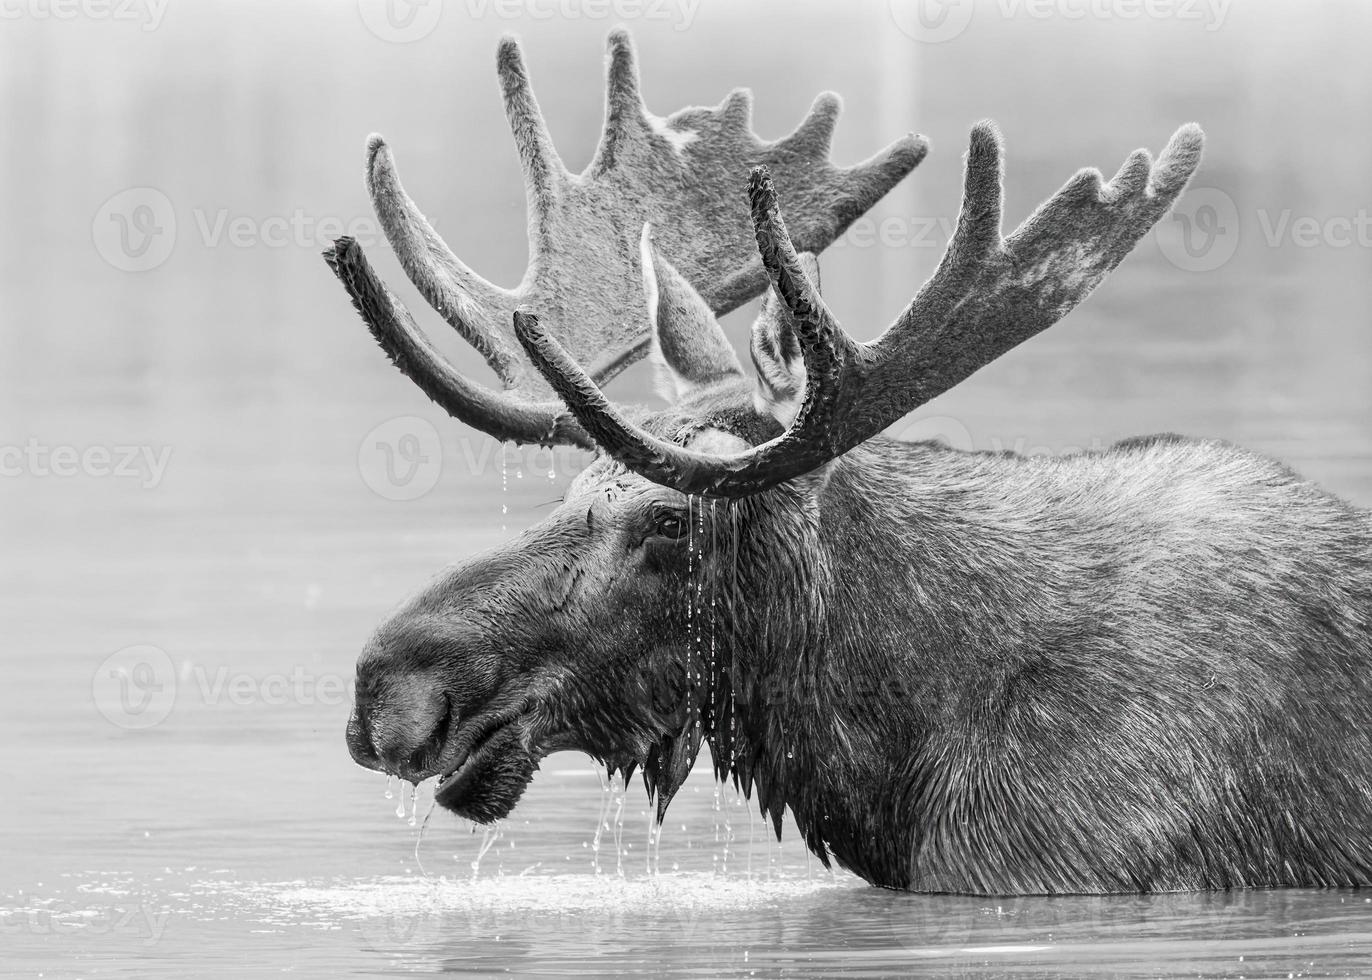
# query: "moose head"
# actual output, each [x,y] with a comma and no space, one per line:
[750,567]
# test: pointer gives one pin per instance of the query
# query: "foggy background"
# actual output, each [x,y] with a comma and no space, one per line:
[215,485]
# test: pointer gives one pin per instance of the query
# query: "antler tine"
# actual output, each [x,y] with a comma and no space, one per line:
[584,269]
[396,332]
[987,295]
[976,237]
[827,350]
[543,169]
[815,134]
[1030,280]
[855,190]
[625,112]
[449,286]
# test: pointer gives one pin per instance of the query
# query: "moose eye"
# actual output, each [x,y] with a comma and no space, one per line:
[670,525]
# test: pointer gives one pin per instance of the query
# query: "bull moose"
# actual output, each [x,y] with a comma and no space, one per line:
[1142,668]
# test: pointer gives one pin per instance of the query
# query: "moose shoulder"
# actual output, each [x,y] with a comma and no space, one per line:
[1143,668]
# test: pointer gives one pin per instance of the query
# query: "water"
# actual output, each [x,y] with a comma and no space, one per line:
[178,641]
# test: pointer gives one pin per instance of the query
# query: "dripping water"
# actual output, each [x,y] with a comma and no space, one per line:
[752,836]
[602,819]
[419,838]
[618,789]
[490,833]
[504,490]
[654,856]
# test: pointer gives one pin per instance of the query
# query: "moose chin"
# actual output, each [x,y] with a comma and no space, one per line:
[1142,668]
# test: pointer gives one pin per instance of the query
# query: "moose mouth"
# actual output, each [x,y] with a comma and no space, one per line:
[490,778]
[492,759]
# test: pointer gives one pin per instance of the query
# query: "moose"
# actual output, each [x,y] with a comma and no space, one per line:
[1142,668]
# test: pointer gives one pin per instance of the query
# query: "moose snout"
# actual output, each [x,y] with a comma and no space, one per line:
[400,726]
[402,712]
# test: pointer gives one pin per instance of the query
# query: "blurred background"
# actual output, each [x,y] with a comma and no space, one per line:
[213,485]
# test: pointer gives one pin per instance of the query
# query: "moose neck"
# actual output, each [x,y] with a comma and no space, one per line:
[838,671]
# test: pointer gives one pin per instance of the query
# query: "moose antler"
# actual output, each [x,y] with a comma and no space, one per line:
[584,238]
[988,294]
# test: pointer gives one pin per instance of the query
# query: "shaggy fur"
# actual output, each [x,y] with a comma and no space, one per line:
[1146,668]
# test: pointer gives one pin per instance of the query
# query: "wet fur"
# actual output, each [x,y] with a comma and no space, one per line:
[1146,668]
[1142,669]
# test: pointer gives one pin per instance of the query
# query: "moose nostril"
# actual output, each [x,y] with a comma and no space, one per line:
[403,732]
[360,742]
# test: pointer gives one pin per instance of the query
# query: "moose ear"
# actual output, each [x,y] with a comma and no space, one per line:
[776,353]
[689,348]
